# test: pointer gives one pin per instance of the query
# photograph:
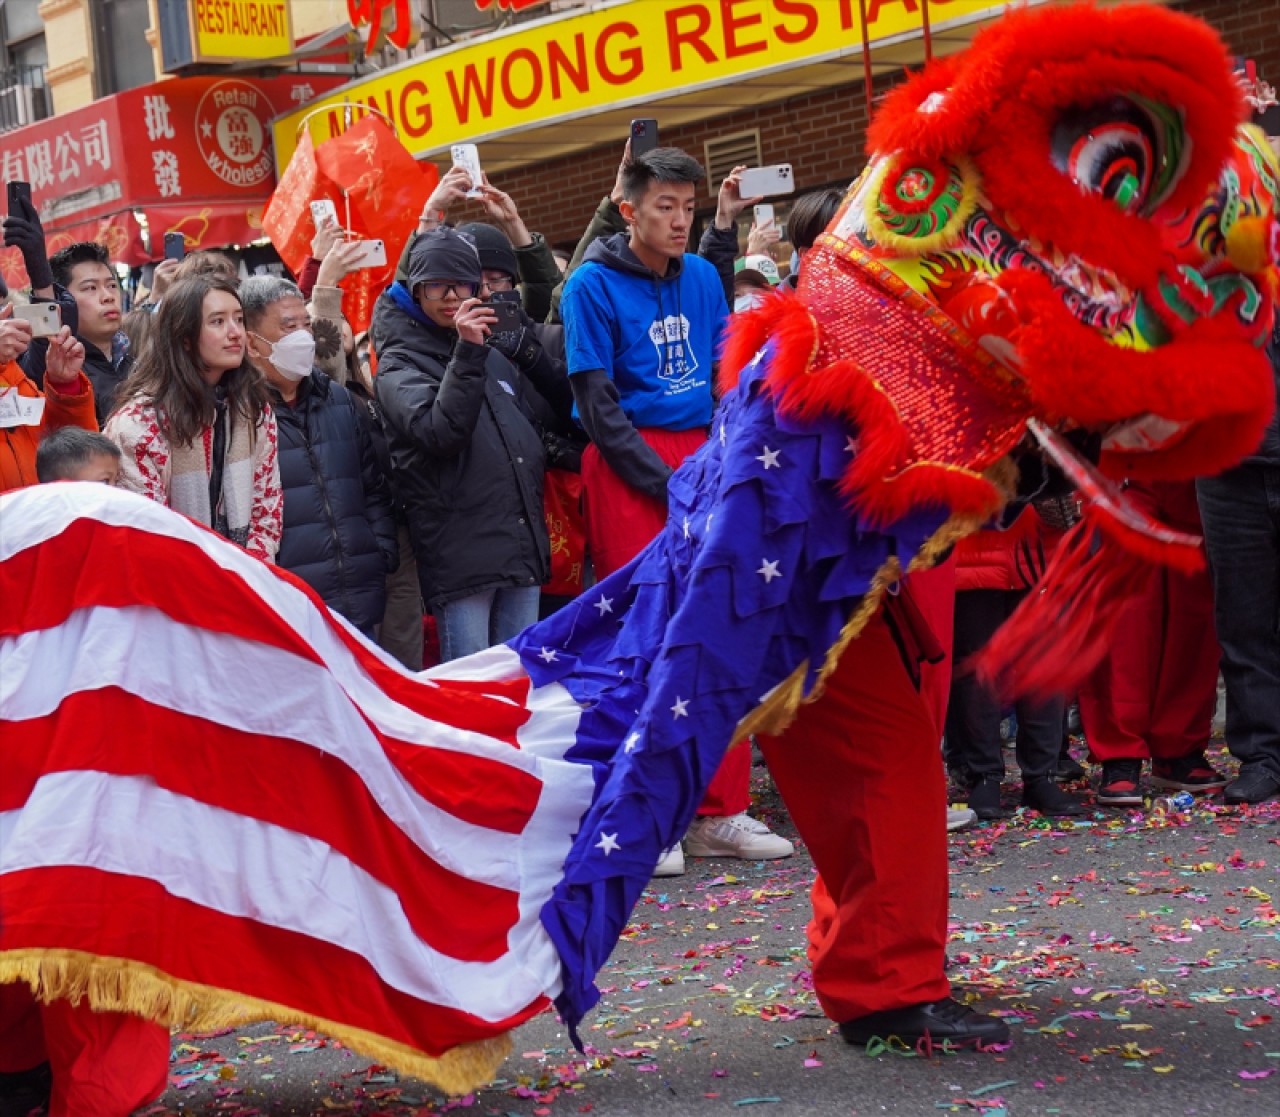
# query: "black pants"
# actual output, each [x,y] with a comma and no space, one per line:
[1241,515]
[973,715]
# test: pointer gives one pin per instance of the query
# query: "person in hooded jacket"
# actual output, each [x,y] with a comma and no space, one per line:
[643,326]
[339,535]
[467,460]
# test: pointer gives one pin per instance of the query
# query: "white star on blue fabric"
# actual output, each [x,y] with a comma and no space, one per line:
[850,444]
[769,570]
[608,843]
[686,527]
[769,458]
[548,655]
[724,435]
[681,708]
[605,605]
[631,742]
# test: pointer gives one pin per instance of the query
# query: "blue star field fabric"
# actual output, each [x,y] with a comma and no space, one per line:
[760,565]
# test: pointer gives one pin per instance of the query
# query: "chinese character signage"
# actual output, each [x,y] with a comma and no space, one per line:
[194,155]
[193,32]
[390,23]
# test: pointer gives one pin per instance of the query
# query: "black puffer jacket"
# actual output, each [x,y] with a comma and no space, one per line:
[466,458]
[339,535]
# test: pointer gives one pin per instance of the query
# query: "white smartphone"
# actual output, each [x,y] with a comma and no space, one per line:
[467,156]
[766,182]
[764,215]
[45,318]
[324,212]
[373,254]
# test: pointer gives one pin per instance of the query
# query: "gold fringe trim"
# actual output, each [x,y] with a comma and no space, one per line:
[123,985]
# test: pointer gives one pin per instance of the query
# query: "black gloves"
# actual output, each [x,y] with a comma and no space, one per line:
[521,347]
[24,232]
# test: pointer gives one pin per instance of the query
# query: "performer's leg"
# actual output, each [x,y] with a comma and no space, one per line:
[729,791]
[21,1036]
[860,773]
[105,1064]
[934,592]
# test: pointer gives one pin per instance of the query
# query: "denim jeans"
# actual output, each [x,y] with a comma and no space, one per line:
[1241,514]
[474,623]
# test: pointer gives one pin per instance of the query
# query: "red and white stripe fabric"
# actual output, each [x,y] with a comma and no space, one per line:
[206,776]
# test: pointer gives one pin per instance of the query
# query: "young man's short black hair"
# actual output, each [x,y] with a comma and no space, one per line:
[662,164]
[83,252]
[65,451]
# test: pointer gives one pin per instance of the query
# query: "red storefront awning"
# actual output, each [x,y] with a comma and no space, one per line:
[193,155]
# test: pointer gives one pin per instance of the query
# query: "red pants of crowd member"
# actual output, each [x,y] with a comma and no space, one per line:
[105,1064]
[860,773]
[621,522]
[1154,693]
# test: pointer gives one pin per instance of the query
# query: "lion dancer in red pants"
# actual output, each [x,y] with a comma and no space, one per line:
[76,1062]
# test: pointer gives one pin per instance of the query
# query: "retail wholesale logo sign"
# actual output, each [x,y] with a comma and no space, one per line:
[582,63]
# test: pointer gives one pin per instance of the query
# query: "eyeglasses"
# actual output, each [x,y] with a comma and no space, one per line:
[500,283]
[444,290]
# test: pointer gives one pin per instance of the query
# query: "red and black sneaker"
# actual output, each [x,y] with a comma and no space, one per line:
[1121,784]
[1187,773]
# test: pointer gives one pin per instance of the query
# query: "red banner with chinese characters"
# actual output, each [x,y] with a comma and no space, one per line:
[193,155]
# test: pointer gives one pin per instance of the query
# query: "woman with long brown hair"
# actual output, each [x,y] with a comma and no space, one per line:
[193,421]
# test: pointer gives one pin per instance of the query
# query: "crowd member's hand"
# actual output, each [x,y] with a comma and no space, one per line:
[339,262]
[521,347]
[731,202]
[503,213]
[451,188]
[615,195]
[327,235]
[163,278]
[762,238]
[15,336]
[475,321]
[23,231]
[65,359]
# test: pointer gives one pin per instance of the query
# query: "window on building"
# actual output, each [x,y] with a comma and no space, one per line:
[23,57]
[124,57]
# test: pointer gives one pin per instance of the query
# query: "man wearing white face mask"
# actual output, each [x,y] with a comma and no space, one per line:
[339,535]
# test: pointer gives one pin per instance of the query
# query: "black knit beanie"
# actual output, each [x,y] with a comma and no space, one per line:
[442,255]
[495,249]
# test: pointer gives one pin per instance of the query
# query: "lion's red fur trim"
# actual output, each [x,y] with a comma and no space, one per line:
[1018,75]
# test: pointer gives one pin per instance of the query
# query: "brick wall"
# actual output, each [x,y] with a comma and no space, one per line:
[820,134]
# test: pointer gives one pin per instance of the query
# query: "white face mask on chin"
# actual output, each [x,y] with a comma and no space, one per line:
[749,301]
[294,355]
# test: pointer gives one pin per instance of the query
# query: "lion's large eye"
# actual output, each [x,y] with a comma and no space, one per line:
[1124,149]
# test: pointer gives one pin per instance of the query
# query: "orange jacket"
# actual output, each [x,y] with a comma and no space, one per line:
[18,444]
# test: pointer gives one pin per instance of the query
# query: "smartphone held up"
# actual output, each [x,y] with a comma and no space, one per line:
[644,136]
[45,318]
[467,156]
[767,182]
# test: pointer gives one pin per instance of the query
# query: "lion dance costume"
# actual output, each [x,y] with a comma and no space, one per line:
[218,804]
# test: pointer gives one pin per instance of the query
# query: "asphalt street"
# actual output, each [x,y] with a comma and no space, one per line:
[1135,956]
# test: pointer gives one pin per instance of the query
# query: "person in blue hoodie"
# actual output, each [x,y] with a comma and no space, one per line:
[643,322]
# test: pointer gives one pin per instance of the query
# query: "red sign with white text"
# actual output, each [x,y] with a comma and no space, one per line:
[194,154]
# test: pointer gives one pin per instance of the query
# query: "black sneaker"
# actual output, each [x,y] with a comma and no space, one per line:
[1069,768]
[25,1090]
[1048,798]
[1254,784]
[931,1024]
[1187,773]
[1121,784]
[984,799]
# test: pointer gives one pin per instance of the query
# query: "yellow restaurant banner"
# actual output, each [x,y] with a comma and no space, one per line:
[586,62]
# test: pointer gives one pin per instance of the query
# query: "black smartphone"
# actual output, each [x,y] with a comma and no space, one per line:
[18,192]
[644,136]
[175,246]
[510,316]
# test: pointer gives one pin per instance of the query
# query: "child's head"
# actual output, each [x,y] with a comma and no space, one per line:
[73,454]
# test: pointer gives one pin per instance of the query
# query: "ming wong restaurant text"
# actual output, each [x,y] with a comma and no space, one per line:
[629,52]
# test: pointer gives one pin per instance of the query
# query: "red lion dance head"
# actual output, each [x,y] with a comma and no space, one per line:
[1067,226]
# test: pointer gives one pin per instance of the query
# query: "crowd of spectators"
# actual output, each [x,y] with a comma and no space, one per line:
[401,473]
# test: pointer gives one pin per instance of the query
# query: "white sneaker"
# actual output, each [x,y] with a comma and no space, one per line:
[672,863]
[959,819]
[739,835]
